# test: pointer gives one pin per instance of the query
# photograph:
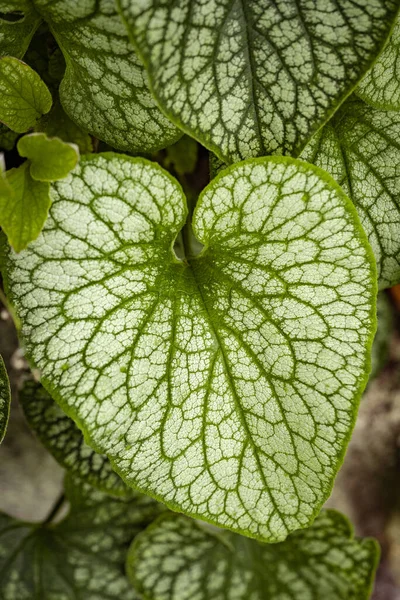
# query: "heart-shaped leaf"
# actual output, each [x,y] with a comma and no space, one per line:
[381,85]
[105,89]
[360,147]
[81,557]
[65,441]
[50,158]
[176,559]
[5,399]
[225,385]
[18,22]
[255,77]
[24,98]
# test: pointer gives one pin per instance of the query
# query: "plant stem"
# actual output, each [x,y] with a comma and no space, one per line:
[55,509]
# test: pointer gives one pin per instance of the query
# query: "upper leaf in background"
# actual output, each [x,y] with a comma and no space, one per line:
[18,22]
[176,559]
[23,211]
[5,399]
[24,97]
[105,89]
[381,85]
[255,77]
[225,385]
[360,148]
[82,557]
[65,441]
[51,158]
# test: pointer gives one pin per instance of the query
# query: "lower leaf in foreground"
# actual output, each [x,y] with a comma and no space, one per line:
[226,384]
[83,556]
[176,559]
[65,441]
[5,399]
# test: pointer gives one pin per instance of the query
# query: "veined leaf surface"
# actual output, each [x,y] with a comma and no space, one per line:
[83,556]
[24,211]
[176,559]
[65,441]
[5,399]
[360,148]
[105,88]
[225,385]
[18,22]
[381,85]
[24,97]
[255,77]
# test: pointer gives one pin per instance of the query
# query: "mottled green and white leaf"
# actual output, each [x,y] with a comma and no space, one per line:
[24,97]
[255,77]
[24,210]
[50,159]
[105,90]
[177,559]
[82,557]
[225,385]
[65,441]
[5,399]
[360,148]
[18,23]
[381,85]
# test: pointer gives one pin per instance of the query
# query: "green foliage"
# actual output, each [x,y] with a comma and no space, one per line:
[25,194]
[255,77]
[208,350]
[18,23]
[24,96]
[5,399]
[232,394]
[381,85]
[65,441]
[51,159]
[105,89]
[380,347]
[58,124]
[23,206]
[81,557]
[176,559]
[360,147]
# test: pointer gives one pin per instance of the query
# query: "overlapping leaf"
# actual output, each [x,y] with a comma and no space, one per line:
[176,559]
[65,441]
[226,384]
[24,97]
[18,22]
[250,78]
[81,557]
[360,147]
[23,206]
[381,85]
[5,399]
[50,159]
[105,89]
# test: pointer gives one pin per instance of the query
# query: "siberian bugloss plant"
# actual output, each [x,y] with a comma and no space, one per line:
[202,344]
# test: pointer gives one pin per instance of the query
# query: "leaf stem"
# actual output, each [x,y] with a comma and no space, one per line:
[55,509]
